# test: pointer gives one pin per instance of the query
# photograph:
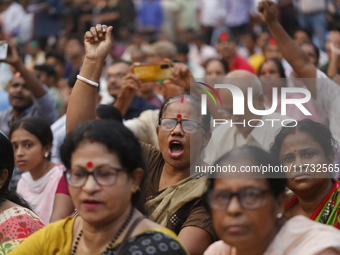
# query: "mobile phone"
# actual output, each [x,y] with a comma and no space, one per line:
[3,51]
[153,72]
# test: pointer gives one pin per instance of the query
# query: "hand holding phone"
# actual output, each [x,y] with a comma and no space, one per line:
[153,72]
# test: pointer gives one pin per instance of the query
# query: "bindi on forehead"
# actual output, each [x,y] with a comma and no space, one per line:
[182,100]
[89,164]
[179,116]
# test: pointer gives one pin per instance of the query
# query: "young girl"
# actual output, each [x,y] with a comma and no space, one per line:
[32,141]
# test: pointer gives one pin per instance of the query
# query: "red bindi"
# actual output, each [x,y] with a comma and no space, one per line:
[179,116]
[182,100]
[89,164]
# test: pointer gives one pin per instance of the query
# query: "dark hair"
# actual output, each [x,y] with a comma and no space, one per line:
[320,133]
[199,36]
[316,50]
[72,79]
[114,136]
[182,47]
[222,61]
[276,180]
[333,27]
[277,63]
[48,69]
[75,37]
[307,32]
[108,112]
[7,162]
[252,35]
[57,55]
[196,104]
[38,127]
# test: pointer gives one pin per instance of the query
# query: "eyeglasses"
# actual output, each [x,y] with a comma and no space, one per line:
[249,198]
[189,126]
[104,176]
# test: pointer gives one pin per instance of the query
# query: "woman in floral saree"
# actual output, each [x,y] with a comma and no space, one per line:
[308,151]
[16,221]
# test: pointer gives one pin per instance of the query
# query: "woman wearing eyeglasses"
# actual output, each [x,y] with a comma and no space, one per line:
[247,210]
[174,198]
[105,171]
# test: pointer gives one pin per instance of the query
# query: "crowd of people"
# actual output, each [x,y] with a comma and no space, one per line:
[97,159]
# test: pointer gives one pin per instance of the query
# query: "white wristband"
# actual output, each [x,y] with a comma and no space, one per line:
[87,81]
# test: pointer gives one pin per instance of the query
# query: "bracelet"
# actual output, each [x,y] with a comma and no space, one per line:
[87,81]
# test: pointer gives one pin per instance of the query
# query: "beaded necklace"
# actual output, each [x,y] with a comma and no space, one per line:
[120,231]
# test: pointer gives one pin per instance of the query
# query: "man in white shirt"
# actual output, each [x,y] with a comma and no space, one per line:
[246,129]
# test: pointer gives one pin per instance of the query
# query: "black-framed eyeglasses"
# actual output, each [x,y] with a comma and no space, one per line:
[104,176]
[249,198]
[188,126]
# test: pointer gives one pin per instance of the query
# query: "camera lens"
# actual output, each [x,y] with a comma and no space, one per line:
[165,66]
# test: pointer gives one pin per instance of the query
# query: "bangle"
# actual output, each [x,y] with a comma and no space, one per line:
[87,81]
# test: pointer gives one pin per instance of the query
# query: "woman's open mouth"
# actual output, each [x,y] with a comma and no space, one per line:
[176,148]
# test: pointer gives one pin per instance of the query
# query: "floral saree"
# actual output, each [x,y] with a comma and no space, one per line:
[16,224]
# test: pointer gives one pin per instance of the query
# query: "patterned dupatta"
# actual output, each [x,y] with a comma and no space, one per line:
[328,211]
[16,224]
[166,203]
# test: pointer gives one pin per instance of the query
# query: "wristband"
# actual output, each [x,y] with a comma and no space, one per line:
[92,83]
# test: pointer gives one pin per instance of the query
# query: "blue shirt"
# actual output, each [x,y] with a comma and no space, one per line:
[138,106]
[238,12]
[4,102]
[151,14]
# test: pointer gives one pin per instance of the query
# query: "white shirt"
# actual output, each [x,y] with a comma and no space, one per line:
[199,56]
[17,21]
[40,193]
[328,97]
[310,6]
[211,11]
[226,137]
[144,127]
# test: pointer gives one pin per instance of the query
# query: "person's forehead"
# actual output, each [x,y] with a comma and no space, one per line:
[238,181]
[73,41]
[309,49]
[18,80]
[184,107]
[52,61]
[269,64]
[118,67]
[333,35]
[300,33]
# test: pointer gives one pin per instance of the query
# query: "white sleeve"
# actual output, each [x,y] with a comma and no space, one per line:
[328,96]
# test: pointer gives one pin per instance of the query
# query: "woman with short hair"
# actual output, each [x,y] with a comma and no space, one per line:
[248,208]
